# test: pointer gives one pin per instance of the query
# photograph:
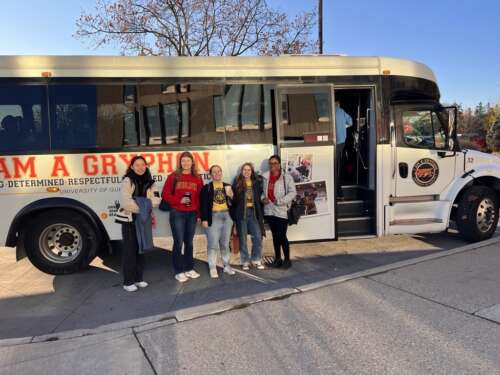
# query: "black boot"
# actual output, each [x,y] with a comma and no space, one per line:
[277,263]
[287,263]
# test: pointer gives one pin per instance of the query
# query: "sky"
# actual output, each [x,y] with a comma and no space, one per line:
[458,39]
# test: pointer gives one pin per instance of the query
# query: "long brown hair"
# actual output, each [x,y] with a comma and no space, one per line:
[240,180]
[194,170]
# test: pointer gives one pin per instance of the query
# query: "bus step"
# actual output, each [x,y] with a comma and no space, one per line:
[355,226]
[355,192]
[354,208]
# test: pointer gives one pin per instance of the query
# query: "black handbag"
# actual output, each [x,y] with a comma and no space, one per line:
[164,205]
[294,212]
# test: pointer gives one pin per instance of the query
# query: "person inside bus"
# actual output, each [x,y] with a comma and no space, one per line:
[138,196]
[214,207]
[279,191]
[248,214]
[10,134]
[182,193]
[342,122]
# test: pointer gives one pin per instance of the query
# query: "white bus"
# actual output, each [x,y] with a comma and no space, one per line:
[70,125]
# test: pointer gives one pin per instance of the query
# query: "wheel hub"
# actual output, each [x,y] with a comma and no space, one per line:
[485,216]
[60,243]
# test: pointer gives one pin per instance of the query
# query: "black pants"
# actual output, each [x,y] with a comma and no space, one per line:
[279,227]
[132,261]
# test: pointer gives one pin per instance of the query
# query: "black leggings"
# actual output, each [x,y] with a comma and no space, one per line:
[279,227]
[132,261]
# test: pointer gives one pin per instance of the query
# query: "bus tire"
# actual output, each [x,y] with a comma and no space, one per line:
[477,213]
[60,241]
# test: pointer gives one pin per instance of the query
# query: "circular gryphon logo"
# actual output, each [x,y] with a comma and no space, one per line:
[425,172]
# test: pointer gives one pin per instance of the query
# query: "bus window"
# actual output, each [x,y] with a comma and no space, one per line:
[153,125]
[73,124]
[23,122]
[116,122]
[247,114]
[168,114]
[130,130]
[306,117]
[423,129]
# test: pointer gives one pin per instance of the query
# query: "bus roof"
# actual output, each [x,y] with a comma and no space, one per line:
[224,67]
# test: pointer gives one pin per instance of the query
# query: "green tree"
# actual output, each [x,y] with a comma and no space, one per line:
[493,136]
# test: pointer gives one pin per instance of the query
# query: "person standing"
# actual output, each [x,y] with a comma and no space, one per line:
[215,218]
[342,122]
[182,193]
[279,191]
[248,214]
[138,196]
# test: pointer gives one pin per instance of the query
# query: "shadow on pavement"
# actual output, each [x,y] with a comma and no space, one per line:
[95,297]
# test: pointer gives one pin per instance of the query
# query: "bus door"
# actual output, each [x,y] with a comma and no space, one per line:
[305,132]
[423,168]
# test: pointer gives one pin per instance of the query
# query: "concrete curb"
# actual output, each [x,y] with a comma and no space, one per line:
[396,265]
[152,322]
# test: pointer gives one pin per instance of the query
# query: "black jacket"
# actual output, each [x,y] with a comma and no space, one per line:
[207,200]
[239,203]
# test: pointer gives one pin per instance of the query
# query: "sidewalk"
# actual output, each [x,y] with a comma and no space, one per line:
[442,310]
[37,307]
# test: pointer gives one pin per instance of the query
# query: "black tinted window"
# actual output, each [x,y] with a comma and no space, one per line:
[23,119]
[73,117]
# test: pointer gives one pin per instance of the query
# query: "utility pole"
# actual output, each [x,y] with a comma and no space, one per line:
[320,26]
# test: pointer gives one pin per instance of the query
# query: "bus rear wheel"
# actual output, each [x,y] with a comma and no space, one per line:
[60,241]
[477,213]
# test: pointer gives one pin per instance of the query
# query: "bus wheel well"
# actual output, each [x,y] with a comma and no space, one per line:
[29,212]
[488,181]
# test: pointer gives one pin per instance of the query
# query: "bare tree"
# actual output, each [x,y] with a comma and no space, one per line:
[197,27]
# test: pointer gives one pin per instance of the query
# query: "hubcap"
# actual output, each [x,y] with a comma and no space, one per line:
[485,216]
[60,243]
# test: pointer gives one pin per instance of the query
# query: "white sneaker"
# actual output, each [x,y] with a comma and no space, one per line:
[213,273]
[130,288]
[245,267]
[192,274]
[229,270]
[141,284]
[258,265]
[181,277]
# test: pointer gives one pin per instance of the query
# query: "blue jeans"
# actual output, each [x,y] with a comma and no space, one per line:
[249,225]
[183,225]
[218,235]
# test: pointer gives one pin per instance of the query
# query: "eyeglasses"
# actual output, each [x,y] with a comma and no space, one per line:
[273,162]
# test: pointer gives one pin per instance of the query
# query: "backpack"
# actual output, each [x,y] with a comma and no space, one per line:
[164,205]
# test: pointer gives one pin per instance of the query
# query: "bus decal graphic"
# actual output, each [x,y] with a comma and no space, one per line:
[425,172]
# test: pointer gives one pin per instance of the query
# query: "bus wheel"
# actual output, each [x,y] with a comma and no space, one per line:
[60,241]
[477,213]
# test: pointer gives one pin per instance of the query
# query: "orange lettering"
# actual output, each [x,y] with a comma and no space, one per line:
[20,167]
[202,164]
[150,159]
[4,169]
[108,161]
[126,158]
[90,169]
[59,166]
[167,163]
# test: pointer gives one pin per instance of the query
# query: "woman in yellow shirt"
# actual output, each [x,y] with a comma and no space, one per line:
[214,208]
[248,214]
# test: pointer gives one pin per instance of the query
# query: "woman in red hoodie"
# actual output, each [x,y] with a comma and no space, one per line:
[182,192]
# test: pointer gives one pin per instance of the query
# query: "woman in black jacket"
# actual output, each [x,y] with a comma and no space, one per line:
[248,215]
[214,208]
